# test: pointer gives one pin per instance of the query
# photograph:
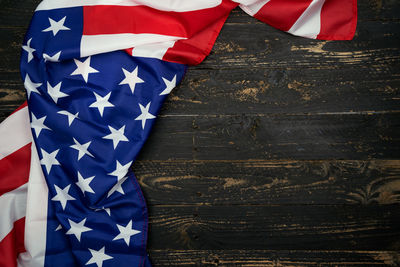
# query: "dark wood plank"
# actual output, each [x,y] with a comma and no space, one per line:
[260,182]
[283,227]
[17,14]
[235,137]
[12,93]
[10,49]
[231,91]
[273,258]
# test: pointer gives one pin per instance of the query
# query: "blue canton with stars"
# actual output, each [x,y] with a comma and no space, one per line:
[90,117]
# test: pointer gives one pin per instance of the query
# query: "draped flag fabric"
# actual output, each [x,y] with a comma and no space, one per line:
[96,73]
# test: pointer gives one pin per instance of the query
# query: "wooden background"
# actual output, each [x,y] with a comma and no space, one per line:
[275,151]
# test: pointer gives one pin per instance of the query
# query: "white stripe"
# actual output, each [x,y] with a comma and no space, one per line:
[13,208]
[309,23]
[36,216]
[251,7]
[157,50]
[15,132]
[165,5]
[96,44]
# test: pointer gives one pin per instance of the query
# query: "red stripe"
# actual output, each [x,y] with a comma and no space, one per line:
[338,20]
[14,169]
[132,19]
[282,14]
[13,244]
[143,19]
[192,51]
[21,107]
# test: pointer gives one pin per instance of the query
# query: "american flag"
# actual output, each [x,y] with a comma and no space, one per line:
[96,73]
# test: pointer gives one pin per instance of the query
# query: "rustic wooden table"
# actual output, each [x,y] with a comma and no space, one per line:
[275,151]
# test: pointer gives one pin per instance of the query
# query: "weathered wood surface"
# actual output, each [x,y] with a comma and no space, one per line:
[273,258]
[282,136]
[277,227]
[275,151]
[267,182]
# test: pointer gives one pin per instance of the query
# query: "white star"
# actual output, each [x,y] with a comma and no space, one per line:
[53,58]
[82,149]
[117,187]
[116,135]
[169,85]
[48,160]
[29,49]
[38,124]
[59,227]
[55,92]
[83,184]
[62,196]
[126,232]
[71,117]
[131,79]
[121,170]
[31,86]
[145,114]
[56,26]
[77,229]
[84,69]
[98,256]
[101,102]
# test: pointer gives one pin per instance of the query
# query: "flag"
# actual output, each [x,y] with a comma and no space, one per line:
[15,159]
[96,74]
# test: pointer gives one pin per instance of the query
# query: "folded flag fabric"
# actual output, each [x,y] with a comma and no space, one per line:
[96,74]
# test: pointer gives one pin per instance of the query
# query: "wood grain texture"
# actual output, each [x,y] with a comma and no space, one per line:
[283,136]
[275,258]
[267,182]
[275,151]
[280,227]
